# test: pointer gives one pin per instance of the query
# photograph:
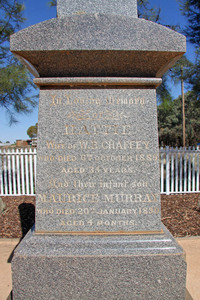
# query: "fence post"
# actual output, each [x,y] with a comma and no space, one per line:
[172,170]
[1,170]
[193,169]
[5,172]
[181,170]
[176,171]
[13,170]
[198,175]
[189,170]
[18,173]
[161,170]
[167,171]
[185,171]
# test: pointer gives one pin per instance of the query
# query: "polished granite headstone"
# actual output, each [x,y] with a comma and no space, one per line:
[98,231]
[120,7]
[98,164]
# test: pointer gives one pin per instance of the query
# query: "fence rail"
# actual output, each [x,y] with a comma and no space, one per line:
[17,171]
[179,170]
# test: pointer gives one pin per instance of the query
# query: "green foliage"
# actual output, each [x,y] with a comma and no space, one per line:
[147,12]
[191,9]
[15,84]
[32,131]
[10,19]
[170,121]
[193,78]
[181,70]
[52,3]
[15,80]
[163,93]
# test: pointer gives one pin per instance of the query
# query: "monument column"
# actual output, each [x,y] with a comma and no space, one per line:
[98,231]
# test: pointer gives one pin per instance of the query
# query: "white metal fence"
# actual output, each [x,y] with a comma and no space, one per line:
[17,171]
[179,169]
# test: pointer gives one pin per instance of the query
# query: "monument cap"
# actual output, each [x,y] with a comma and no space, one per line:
[112,7]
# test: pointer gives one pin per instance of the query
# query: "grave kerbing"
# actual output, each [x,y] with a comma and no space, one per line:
[98,228]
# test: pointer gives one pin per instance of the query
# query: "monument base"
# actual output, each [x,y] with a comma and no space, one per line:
[103,267]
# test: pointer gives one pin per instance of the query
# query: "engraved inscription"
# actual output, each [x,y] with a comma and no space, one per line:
[58,184]
[99,159]
[97,129]
[68,100]
[91,115]
[92,211]
[125,101]
[94,198]
[69,198]
[53,145]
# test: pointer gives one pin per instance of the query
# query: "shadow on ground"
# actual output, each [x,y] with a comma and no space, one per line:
[27,218]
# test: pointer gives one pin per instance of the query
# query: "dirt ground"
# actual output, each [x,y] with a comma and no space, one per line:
[17,217]
[180,214]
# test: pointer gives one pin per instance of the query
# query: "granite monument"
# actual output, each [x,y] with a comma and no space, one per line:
[98,231]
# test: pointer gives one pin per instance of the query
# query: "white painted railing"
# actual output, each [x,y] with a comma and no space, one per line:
[17,171]
[179,169]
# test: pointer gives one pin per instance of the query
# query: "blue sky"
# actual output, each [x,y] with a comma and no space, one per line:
[38,11]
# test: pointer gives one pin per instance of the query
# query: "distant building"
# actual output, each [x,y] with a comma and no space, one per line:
[5,144]
[23,143]
[20,144]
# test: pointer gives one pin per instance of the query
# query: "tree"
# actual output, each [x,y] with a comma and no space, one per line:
[194,75]
[52,3]
[179,73]
[147,12]
[170,121]
[15,79]
[11,18]
[164,93]
[191,9]
[169,125]
[32,131]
